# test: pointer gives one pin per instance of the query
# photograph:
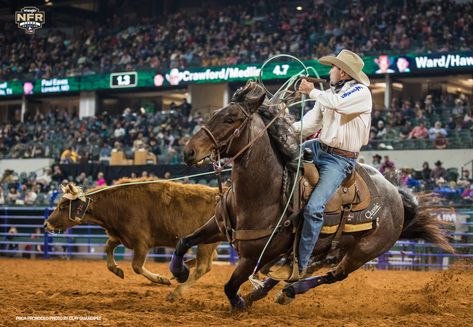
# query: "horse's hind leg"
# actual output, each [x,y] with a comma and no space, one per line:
[138,261]
[260,292]
[345,267]
[112,265]
[209,233]
[204,257]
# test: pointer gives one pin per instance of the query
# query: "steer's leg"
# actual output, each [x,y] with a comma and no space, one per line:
[112,243]
[205,254]
[209,233]
[139,257]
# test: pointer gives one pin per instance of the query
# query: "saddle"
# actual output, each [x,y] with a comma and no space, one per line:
[354,196]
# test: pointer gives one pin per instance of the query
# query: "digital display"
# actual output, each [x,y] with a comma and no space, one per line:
[374,65]
[123,79]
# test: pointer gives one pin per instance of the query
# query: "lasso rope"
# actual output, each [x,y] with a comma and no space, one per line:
[283,89]
[151,182]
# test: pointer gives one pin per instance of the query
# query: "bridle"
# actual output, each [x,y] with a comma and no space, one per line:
[236,133]
[215,157]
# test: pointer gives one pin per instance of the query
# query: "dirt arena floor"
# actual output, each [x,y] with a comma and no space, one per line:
[366,298]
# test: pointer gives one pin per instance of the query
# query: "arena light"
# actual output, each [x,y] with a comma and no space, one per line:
[299,8]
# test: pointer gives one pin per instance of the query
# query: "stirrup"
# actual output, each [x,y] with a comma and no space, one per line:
[286,272]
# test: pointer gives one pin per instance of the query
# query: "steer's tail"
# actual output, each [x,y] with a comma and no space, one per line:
[421,222]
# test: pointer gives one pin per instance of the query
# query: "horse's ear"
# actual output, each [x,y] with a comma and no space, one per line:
[255,97]
[240,94]
[255,103]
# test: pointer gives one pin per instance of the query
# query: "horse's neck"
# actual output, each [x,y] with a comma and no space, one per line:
[257,174]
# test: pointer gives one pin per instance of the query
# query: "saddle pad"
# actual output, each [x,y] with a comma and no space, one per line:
[356,221]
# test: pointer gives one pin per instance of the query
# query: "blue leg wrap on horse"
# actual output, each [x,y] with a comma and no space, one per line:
[261,292]
[178,268]
[304,285]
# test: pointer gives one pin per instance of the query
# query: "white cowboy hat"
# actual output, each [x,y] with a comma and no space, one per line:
[350,63]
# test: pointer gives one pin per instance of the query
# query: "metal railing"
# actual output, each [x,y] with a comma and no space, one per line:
[83,241]
[88,242]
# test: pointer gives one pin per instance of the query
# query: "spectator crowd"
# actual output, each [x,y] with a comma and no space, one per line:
[249,32]
[436,122]
[68,139]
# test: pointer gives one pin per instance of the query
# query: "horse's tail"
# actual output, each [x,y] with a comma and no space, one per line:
[420,222]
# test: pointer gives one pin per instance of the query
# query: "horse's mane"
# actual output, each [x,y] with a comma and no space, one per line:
[283,141]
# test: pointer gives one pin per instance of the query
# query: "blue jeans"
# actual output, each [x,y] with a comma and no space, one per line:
[333,169]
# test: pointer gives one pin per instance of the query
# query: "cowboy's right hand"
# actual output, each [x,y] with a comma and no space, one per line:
[305,87]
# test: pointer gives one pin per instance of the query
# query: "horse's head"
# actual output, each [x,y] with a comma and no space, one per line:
[226,125]
[70,210]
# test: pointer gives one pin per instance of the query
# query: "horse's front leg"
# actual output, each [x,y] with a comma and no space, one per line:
[241,273]
[209,233]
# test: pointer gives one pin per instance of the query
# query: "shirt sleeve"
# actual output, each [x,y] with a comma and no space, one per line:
[355,100]
[311,122]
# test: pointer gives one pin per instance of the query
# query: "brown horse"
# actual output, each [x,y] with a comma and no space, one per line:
[255,201]
[141,214]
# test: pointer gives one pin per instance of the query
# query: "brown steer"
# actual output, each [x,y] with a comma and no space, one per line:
[140,217]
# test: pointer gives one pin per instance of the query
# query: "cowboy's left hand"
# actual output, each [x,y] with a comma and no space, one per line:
[305,87]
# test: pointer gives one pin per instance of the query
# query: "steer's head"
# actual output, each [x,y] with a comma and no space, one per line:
[70,210]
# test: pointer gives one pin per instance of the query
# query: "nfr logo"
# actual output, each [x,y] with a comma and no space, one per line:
[30,19]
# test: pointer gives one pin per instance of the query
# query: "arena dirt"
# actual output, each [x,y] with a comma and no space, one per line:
[366,298]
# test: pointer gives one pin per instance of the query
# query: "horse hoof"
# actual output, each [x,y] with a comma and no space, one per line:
[237,304]
[119,272]
[182,276]
[283,299]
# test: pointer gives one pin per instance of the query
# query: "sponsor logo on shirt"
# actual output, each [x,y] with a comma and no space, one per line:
[349,92]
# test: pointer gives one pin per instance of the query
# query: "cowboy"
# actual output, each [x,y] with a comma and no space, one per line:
[343,112]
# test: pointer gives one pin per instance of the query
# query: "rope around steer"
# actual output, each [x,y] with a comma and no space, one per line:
[152,182]
[283,89]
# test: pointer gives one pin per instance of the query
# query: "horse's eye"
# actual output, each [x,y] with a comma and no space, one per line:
[229,120]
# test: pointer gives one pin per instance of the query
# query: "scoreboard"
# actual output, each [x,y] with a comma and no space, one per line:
[129,79]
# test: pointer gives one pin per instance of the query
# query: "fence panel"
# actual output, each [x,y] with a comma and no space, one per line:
[22,235]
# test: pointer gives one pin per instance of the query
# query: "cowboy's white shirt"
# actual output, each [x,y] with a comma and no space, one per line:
[345,117]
